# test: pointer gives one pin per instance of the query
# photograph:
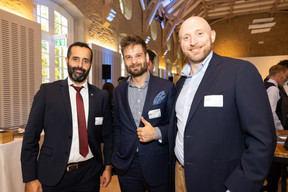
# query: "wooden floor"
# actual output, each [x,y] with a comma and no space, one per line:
[113,186]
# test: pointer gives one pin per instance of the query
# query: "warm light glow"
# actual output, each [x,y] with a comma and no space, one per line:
[105,45]
[23,12]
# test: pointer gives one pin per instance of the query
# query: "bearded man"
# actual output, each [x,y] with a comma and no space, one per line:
[75,117]
[142,108]
[222,135]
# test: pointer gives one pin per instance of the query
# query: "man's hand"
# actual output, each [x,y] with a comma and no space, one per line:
[106,176]
[146,133]
[33,186]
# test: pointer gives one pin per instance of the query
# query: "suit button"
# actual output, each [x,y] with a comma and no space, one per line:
[66,153]
[70,136]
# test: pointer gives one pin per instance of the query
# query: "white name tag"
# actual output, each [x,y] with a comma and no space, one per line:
[154,113]
[98,120]
[213,101]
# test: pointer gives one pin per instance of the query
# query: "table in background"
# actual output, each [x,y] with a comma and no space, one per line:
[281,156]
[10,167]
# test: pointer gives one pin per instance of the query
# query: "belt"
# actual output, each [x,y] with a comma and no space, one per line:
[78,165]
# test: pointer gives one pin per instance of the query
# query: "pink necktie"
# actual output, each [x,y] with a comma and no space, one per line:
[83,140]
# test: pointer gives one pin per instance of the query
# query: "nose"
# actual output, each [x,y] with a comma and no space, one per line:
[134,60]
[193,41]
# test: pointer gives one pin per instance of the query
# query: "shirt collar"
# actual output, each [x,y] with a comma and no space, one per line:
[187,68]
[145,83]
[85,84]
[273,81]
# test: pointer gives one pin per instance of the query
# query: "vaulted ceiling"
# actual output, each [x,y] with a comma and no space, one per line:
[170,13]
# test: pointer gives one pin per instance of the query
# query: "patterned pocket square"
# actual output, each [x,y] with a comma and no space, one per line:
[159,98]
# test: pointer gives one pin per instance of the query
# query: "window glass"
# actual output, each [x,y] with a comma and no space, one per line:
[54,38]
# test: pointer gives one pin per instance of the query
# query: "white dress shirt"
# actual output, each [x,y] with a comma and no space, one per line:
[274,96]
[75,155]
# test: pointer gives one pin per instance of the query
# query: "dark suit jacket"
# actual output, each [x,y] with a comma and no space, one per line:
[229,147]
[51,111]
[153,155]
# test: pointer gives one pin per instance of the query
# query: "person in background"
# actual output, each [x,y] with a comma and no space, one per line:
[222,136]
[284,95]
[109,87]
[151,62]
[75,117]
[277,78]
[142,108]
[120,79]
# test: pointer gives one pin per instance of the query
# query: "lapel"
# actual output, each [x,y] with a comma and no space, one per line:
[123,92]
[66,98]
[92,104]
[151,94]
[206,82]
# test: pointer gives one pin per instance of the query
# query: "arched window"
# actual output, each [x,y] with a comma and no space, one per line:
[57,33]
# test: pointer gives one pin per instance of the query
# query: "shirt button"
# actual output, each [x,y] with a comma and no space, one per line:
[139,113]
[138,100]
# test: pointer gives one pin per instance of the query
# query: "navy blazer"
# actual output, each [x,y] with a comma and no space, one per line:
[229,147]
[153,155]
[51,112]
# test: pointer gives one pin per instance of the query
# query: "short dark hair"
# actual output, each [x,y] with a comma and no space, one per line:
[79,44]
[152,55]
[283,63]
[132,40]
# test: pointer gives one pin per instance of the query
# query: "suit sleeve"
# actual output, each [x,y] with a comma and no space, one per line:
[107,132]
[30,145]
[169,106]
[258,128]
[116,123]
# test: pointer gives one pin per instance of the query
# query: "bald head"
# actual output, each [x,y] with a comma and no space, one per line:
[196,39]
[194,22]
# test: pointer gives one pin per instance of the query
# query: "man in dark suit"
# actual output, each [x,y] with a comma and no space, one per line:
[142,108]
[66,162]
[222,135]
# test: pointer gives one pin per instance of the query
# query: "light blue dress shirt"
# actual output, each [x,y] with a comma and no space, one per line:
[184,101]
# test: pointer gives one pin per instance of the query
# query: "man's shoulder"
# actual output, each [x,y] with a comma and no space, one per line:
[160,81]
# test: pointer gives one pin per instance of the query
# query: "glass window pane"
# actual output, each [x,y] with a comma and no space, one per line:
[44,24]
[64,30]
[64,21]
[45,60]
[57,61]
[56,17]
[56,29]
[45,72]
[44,11]
[64,63]
[45,48]
[57,51]
[57,74]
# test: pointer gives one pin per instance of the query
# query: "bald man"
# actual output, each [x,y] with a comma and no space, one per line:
[222,135]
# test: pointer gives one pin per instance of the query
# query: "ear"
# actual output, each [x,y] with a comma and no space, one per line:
[66,60]
[213,36]
[147,57]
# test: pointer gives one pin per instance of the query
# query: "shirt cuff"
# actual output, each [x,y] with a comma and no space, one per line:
[227,190]
[158,134]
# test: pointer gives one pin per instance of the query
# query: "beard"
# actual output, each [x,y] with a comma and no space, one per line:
[200,57]
[77,77]
[137,72]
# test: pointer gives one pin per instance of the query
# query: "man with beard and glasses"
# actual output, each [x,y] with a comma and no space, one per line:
[222,135]
[75,117]
[142,108]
